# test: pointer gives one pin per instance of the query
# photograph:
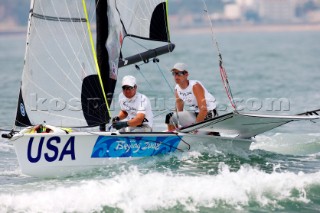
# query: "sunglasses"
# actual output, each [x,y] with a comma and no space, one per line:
[127,88]
[179,73]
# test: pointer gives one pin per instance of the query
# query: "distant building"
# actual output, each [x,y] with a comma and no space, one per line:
[282,11]
[313,17]
[232,12]
[249,12]
[246,3]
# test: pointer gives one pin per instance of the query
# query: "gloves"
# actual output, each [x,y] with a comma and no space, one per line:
[115,119]
[117,124]
[120,124]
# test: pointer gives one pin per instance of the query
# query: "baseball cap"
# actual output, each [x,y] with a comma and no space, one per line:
[128,80]
[180,67]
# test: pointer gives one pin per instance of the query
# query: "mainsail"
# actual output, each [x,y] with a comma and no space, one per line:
[65,81]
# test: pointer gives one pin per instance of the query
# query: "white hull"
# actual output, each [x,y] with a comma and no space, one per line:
[61,154]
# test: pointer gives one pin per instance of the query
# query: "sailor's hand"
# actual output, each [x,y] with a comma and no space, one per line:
[115,119]
[120,124]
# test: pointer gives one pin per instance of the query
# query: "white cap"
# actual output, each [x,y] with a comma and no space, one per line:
[180,67]
[128,80]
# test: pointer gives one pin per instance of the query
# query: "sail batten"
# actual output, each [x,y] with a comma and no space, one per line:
[62,19]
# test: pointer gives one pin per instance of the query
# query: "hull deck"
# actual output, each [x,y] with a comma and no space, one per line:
[62,154]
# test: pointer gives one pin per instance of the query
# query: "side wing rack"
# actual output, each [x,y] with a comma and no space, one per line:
[248,125]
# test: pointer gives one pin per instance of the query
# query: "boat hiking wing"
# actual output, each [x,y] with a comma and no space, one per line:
[246,125]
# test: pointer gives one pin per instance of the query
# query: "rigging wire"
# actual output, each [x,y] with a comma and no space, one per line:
[166,80]
[223,72]
[171,88]
[144,77]
[156,61]
[129,37]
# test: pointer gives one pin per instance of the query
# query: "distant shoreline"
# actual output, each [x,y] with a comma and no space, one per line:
[13,31]
[218,29]
[251,28]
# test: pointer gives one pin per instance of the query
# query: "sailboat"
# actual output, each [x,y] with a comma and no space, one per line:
[68,82]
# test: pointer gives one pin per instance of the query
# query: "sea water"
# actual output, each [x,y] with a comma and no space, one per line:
[269,73]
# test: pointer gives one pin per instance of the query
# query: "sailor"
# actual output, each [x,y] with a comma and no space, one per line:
[193,94]
[134,107]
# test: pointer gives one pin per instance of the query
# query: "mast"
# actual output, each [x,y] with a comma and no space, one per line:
[102,53]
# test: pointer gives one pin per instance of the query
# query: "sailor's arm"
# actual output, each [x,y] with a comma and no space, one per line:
[136,121]
[199,94]
[122,114]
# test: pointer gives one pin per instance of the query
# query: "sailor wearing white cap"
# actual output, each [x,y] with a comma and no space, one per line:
[192,93]
[135,107]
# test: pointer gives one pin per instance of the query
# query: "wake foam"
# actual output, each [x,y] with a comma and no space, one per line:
[133,191]
[293,144]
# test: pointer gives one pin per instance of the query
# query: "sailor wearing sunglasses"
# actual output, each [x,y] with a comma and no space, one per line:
[134,107]
[191,93]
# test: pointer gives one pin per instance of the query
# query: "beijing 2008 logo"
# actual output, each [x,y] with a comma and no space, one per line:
[22,110]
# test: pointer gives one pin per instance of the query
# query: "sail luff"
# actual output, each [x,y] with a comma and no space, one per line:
[22,118]
[167,20]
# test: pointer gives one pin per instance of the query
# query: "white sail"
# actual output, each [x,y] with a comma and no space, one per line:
[137,16]
[62,83]
[140,18]
[58,58]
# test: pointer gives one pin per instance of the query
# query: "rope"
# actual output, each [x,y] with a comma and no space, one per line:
[144,77]
[223,73]
[172,90]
